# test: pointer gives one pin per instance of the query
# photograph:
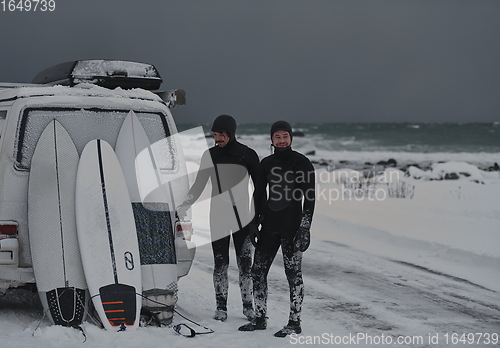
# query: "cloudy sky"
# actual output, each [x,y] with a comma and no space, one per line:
[299,60]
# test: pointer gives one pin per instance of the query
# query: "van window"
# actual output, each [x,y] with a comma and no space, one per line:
[84,125]
[3,115]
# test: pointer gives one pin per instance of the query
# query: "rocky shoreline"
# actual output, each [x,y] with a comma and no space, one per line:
[368,168]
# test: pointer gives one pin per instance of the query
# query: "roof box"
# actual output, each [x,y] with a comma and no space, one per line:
[102,72]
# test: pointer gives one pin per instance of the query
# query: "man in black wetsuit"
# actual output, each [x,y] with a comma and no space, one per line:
[227,165]
[286,221]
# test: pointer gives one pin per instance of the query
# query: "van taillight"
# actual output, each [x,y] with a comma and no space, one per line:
[184,229]
[8,229]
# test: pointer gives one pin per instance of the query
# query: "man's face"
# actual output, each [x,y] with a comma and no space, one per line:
[221,138]
[281,139]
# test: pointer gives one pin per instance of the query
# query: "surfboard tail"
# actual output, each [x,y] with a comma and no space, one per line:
[67,306]
[119,302]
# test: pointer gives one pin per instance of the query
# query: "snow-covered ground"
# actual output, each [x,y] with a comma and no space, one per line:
[419,272]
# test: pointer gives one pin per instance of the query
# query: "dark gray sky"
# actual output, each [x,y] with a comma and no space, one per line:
[299,60]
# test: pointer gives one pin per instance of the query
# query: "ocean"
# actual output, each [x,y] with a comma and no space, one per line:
[360,145]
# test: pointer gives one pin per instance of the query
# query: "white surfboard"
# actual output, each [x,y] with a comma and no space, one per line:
[107,237]
[151,204]
[52,227]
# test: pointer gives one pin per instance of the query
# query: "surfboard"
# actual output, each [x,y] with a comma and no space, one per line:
[107,237]
[53,237]
[151,204]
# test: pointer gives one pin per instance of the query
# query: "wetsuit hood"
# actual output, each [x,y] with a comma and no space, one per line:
[225,123]
[282,125]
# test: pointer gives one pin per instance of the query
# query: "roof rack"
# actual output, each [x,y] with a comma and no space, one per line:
[16,84]
[102,72]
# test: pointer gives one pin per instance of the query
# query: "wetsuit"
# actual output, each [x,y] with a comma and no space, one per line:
[289,177]
[228,168]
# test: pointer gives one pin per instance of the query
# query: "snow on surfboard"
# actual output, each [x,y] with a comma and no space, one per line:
[150,203]
[52,227]
[107,237]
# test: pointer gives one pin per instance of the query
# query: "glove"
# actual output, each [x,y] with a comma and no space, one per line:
[254,234]
[302,239]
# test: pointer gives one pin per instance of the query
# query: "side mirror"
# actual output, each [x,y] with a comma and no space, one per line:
[176,97]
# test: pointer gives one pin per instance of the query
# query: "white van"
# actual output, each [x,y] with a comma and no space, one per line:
[90,99]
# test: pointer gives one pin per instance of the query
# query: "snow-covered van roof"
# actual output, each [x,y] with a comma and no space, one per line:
[102,72]
[96,78]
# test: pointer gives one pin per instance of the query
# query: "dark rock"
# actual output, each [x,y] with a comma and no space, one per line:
[392,162]
[310,153]
[494,168]
[298,134]
[451,176]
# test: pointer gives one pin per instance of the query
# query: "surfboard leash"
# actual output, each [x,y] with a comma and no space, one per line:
[96,321]
[40,322]
[178,328]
